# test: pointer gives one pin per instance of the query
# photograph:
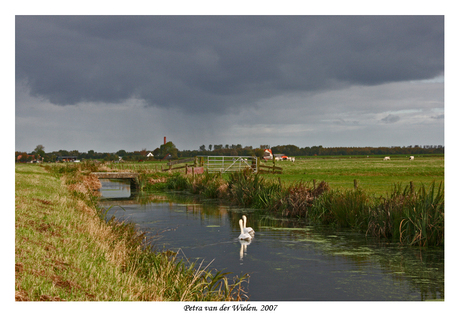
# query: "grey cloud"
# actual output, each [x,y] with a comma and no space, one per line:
[391,118]
[210,63]
[438,117]
[341,121]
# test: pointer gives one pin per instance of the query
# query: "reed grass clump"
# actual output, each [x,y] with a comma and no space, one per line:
[178,182]
[343,209]
[245,188]
[410,217]
[423,217]
[297,199]
[209,185]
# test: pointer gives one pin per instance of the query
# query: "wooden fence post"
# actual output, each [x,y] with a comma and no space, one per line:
[355,181]
[411,183]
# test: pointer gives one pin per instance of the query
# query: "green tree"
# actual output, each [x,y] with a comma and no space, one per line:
[121,153]
[259,152]
[168,148]
[39,151]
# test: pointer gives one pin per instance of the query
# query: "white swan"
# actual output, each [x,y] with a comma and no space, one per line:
[247,229]
[243,235]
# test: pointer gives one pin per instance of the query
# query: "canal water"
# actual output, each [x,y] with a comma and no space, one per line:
[287,260]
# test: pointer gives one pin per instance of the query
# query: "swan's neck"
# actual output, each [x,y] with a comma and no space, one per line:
[241,227]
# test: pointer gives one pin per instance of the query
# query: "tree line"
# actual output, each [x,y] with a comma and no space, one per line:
[169,151]
[292,150]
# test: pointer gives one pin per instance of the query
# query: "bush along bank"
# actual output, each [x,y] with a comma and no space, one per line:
[65,250]
[404,215]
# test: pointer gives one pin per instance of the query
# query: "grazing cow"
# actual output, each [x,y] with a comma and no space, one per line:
[411,158]
[386,158]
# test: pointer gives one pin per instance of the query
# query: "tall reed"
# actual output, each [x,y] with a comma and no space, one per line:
[297,199]
[423,217]
[414,218]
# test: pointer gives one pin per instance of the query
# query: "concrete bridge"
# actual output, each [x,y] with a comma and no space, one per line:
[133,177]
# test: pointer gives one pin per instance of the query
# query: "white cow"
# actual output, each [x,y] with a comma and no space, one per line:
[411,158]
[386,158]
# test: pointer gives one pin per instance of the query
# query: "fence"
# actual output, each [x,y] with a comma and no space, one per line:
[222,164]
[267,169]
[227,164]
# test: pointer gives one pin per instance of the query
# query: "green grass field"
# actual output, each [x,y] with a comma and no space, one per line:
[373,174]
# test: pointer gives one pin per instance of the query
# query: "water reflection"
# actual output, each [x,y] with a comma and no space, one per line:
[244,248]
[288,260]
[115,188]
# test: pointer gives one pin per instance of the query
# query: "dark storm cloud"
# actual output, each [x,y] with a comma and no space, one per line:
[208,63]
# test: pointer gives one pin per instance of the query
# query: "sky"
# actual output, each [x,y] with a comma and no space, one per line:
[107,83]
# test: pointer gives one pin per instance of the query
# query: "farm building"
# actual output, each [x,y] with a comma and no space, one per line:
[268,155]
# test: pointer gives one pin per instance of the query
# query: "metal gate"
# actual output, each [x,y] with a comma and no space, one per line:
[226,164]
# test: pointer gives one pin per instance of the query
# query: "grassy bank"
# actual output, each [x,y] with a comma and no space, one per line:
[64,251]
[413,216]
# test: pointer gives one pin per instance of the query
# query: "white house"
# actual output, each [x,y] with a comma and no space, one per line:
[268,155]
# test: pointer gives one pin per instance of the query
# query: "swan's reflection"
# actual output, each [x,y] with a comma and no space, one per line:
[244,248]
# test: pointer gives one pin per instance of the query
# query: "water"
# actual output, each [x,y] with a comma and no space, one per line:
[286,260]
